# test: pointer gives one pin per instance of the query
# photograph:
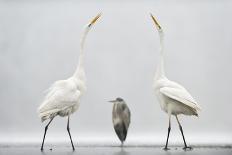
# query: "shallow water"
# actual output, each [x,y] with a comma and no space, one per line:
[24,150]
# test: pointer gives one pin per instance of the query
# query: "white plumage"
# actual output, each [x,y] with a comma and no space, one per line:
[169,91]
[63,97]
[174,99]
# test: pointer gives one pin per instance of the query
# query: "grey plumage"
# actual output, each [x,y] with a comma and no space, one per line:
[121,118]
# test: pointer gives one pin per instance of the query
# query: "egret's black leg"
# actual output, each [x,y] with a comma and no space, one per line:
[169,129]
[181,130]
[46,128]
[68,129]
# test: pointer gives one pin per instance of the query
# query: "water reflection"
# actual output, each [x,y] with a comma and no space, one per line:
[112,151]
[121,152]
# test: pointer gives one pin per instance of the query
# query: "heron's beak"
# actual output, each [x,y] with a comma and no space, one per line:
[112,101]
[94,19]
[156,22]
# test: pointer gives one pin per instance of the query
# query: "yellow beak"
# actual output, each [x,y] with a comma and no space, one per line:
[156,22]
[94,19]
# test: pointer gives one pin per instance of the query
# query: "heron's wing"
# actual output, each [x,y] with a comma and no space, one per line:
[62,94]
[181,95]
[121,131]
[126,116]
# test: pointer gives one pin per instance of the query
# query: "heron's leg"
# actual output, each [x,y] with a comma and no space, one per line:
[181,130]
[68,129]
[169,129]
[46,128]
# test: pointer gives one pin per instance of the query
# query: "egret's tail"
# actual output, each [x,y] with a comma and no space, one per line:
[195,113]
[47,114]
[44,117]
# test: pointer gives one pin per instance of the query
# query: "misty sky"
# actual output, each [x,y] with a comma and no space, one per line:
[39,44]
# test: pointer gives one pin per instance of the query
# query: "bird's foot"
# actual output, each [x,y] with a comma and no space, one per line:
[187,148]
[166,148]
[41,149]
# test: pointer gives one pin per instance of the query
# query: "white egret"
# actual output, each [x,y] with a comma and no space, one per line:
[63,97]
[174,99]
[121,118]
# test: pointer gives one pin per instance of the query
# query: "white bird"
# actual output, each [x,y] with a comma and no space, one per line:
[63,97]
[174,99]
[121,117]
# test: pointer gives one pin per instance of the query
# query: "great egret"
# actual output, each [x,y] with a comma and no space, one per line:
[121,118]
[63,97]
[174,99]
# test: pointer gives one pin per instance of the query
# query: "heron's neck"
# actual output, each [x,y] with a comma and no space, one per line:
[160,68]
[80,72]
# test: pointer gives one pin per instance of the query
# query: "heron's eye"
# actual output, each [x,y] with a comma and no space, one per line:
[119,99]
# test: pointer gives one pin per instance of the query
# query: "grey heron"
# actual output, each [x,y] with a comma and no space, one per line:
[121,117]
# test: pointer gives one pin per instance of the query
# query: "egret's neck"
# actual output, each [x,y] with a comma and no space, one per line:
[160,68]
[80,72]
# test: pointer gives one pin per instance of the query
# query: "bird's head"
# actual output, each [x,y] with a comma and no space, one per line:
[91,23]
[160,30]
[87,29]
[117,100]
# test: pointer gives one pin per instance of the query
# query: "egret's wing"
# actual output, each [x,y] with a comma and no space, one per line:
[62,94]
[181,95]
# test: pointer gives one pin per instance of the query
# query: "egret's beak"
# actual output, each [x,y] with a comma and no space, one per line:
[94,19]
[156,22]
[112,101]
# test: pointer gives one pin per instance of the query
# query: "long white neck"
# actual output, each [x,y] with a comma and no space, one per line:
[160,68]
[80,72]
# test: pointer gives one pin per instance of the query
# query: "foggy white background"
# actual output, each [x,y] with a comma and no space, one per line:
[39,44]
